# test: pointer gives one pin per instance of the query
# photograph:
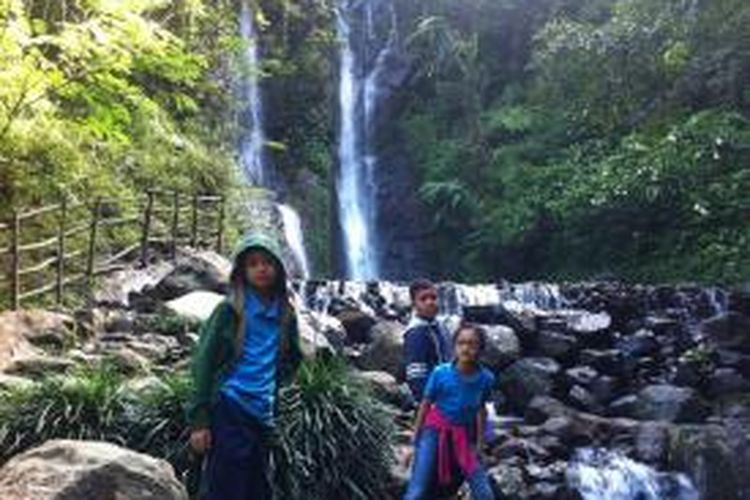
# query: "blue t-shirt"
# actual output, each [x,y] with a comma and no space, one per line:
[459,397]
[252,381]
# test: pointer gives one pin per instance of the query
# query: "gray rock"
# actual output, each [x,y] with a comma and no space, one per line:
[729,330]
[358,325]
[383,385]
[195,270]
[556,345]
[609,361]
[529,377]
[716,458]
[385,351]
[508,481]
[39,366]
[503,346]
[670,403]
[583,399]
[604,388]
[652,442]
[581,375]
[726,381]
[87,470]
[626,406]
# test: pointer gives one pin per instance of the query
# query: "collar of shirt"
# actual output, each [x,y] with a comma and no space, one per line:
[255,306]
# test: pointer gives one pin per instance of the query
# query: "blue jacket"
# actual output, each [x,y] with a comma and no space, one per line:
[427,344]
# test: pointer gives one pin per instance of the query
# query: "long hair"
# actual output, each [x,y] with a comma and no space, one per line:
[238,283]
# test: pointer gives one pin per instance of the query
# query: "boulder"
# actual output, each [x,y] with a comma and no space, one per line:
[502,348]
[581,375]
[385,351]
[87,470]
[626,406]
[39,366]
[195,306]
[716,458]
[529,377]
[582,399]
[542,408]
[508,481]
[117,289]
[641,343]
[22,333]
[383,385]
[651,442]
[41,328]
[358,325]
[609,361]
[194,270]
[319,332]
[670,403]
[557,345]
[730,330]
[726,381]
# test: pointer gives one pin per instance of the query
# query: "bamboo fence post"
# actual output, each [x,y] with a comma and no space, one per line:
[15,291]
[175,223]
[61,253]
[146,226]
[220,229]
[92,241]
[194,229]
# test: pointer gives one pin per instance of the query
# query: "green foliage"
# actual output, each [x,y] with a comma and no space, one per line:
[334,439]
[100,98]
[587,137]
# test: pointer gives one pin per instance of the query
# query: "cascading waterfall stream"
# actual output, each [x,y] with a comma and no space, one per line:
[252,144]
[599,474]
[252,157]
[357,161]
[295,238]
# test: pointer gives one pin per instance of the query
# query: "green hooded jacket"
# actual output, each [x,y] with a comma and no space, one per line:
[221,339]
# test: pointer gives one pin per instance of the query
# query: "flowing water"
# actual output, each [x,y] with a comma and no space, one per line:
[358,90]
[599,474]
[252,143]
[293,233]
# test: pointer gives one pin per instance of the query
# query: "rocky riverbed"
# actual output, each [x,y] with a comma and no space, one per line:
[604,390]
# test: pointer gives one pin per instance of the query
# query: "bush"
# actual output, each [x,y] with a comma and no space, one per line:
[333,438]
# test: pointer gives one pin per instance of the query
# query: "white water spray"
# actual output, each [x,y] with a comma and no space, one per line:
[357,162]
[252,157]
[294,236]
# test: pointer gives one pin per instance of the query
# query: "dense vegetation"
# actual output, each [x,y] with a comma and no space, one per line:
[570,138]
[333,439]
[552,138]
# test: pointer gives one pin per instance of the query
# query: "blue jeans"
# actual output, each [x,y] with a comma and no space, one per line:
[237,462]
[424,475]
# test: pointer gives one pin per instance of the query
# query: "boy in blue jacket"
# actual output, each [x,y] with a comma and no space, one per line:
[427,342]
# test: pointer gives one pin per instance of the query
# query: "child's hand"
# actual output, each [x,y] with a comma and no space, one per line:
[200,440]
[408,456]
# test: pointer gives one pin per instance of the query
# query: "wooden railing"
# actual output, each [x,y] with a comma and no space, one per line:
[62,234]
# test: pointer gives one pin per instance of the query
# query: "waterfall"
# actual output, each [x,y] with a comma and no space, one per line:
[600,474]
[252,157]
[251,149]
[293,234]
[358,90]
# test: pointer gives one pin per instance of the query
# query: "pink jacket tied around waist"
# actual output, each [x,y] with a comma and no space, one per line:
[458,436]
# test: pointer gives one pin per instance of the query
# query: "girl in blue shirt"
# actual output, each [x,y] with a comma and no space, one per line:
[450,421]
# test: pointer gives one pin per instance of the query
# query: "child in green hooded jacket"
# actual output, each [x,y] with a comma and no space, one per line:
[247,347]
